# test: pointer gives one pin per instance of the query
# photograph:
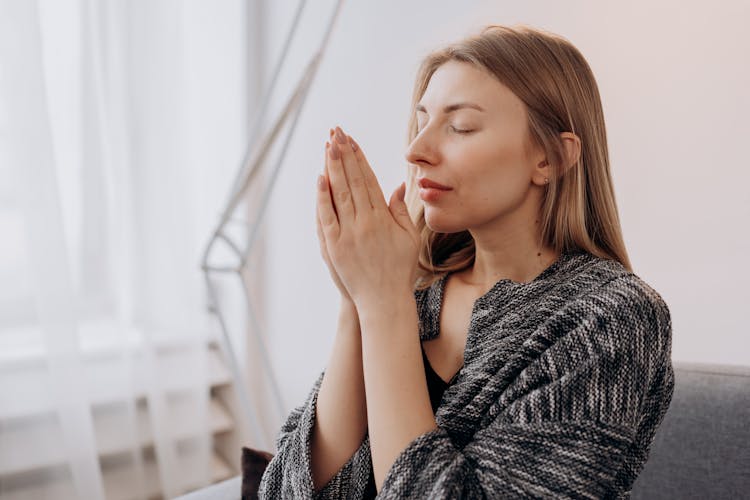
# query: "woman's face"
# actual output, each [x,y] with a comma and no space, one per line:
[472,138]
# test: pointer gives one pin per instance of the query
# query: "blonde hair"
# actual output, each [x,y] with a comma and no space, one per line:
[554,81]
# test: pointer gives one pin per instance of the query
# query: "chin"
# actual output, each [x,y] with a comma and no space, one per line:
[440,223]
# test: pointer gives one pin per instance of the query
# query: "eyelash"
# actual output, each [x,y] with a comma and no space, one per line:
[456,130]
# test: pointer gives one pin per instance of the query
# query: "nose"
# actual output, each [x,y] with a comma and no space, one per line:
[422,151]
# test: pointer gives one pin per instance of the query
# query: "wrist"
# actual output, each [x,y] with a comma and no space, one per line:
[348,314]
[347,305]
[385,305]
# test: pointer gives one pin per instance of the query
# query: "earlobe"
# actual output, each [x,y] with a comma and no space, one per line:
[544,175]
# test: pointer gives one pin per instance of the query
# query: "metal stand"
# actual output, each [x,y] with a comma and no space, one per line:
[255,157]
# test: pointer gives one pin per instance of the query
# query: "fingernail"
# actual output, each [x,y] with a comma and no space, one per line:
[335,153]
[330,132]
[340,137]
[354,144]
[321,183]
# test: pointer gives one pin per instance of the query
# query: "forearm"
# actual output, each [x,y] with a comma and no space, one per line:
[398,400]
[341,418]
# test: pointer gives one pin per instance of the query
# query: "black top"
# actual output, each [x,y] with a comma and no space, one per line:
[435,384]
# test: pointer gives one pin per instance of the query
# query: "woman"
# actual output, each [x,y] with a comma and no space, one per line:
[493,341]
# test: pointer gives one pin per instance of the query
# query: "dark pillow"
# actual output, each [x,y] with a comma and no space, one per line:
[253,465]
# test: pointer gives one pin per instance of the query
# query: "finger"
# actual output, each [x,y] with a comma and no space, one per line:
[328,221]
[398,208]
[377,198]
[318,228]
[354,177]
[321,236]
[342,196]
[327,175]
[371,194]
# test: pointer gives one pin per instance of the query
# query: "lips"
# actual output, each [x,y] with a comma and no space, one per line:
[428,184]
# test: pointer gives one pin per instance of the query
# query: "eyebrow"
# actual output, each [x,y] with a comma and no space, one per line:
[453,107]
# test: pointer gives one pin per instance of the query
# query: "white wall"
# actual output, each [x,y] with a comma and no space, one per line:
[673,78]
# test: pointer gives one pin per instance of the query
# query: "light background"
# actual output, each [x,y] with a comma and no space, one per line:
[674,79]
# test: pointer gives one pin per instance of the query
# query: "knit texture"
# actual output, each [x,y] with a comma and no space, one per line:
[564,383]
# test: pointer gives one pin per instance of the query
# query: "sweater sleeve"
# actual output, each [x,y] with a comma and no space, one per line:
[565,427]
[289,473]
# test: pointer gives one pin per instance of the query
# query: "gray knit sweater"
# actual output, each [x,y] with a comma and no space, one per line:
[565,380]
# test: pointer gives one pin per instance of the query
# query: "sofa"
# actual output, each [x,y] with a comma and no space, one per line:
[700,451]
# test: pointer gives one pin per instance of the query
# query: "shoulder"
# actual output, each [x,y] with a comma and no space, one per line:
[634,299]
[599,300]
[607,284]
[622,326]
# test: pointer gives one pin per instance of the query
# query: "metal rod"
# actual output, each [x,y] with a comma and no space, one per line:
[254,158]
[255,132]
[240,386]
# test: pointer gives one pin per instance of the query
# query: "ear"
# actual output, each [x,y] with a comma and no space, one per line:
[572,153]
[542,173]
[542,169]
[572,145]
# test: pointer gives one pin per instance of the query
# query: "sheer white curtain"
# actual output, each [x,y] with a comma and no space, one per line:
[108,190]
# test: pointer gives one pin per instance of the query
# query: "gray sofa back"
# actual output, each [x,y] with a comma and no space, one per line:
[702,448]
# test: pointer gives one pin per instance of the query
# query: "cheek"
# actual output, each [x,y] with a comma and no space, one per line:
[495,178]
[494,184]
[490,180]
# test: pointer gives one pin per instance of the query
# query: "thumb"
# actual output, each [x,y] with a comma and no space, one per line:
[398,208]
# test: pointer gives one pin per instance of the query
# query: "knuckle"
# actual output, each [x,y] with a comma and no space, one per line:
[342,196]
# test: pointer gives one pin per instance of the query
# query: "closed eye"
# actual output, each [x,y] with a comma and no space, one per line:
[460,131]
[452,128]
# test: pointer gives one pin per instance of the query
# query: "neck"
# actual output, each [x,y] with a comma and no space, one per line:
[509,251]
